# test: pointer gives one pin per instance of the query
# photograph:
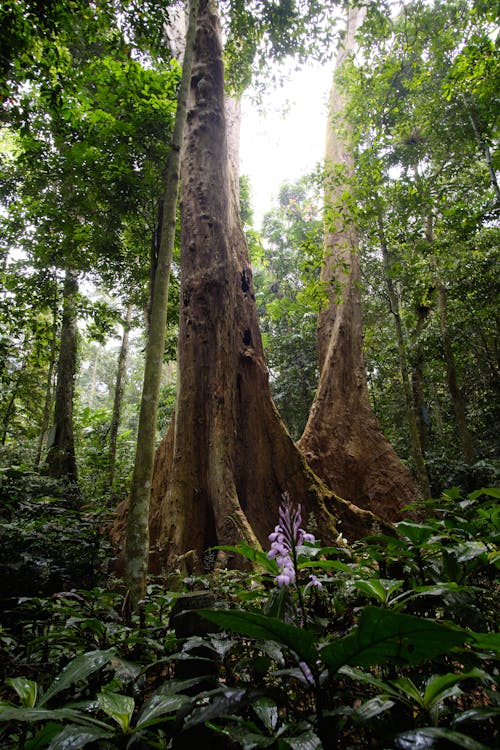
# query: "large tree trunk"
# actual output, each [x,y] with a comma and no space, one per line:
[61,459]
[343,441]
[221,471]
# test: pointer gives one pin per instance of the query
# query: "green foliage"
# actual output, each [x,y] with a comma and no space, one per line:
[259,34]
[289,296]
[47,546]
[353,675]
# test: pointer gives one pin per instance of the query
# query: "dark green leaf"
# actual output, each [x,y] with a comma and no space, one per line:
[74,737]
[221,704]
[119,707]
[417,533]
[13,713]
[159,705]
[428,737]
[267,711]
[306,741]
[26,689]
[371,708]
[438,687]
[384,635]
[79,669]
[259,626]
[487,641]
[254,555]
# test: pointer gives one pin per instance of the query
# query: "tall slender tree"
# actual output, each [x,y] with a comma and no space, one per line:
[118,397]
[137,535]
[61,458]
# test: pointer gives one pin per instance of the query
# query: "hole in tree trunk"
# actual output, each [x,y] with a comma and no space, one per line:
[245,282]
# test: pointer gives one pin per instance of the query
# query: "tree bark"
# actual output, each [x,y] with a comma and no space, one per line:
[485,149]
[417,380]
[137,535]
[117,402]
[233,123]
[343,441]
[9,409]
[456,394]
[227,459]
[415,445]
[49,393]
[93,378]
[61,459]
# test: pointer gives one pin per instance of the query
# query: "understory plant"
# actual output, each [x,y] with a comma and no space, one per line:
[390,643]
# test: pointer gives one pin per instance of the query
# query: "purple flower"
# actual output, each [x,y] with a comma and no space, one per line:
[286,537]
[313,583]
[306,672]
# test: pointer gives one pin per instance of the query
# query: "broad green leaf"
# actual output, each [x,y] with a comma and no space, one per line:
[79,669]
[256,556]
[468,551]
[478,714]
[438,687]
[74,737]
[417,533]
[247,738]
[43,736]
[259,626]
[487,641]
[383,635]
[427,737]
[119,707]
[408,687]
[159,705]
[368,679]
[489,491]
[326,565]
[378,588]
[14,713]
[221,704]
[267,711]
[371,708]
[27,690]
[305,741]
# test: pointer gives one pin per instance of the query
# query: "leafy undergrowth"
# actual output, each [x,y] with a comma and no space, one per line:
[387,644]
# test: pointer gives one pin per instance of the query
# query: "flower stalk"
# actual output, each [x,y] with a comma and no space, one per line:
[286,539]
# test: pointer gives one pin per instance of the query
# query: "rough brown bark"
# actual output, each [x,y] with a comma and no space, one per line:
[343,441]
[411,417]
[220,472]
[233,123]
[61,459]
[456,395]
[117,402]
[417,380]
[49,395]
[137,531]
